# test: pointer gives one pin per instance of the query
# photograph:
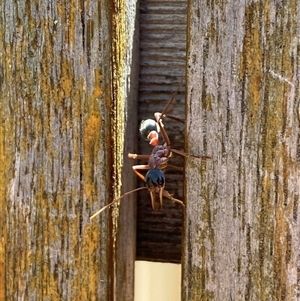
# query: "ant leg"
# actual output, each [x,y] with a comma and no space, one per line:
[171,100]
[138,157]
[163,132]
[173,117]
[159,116]
[175,167]
[169,196]
[188,155]
[140,167]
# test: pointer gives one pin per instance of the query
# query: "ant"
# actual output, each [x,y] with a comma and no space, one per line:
[157,161]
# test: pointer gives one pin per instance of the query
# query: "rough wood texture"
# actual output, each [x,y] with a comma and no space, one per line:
[126,57]
[242,223]
[61,149]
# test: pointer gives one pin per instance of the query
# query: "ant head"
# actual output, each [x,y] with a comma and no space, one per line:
[155,182]
[155,179]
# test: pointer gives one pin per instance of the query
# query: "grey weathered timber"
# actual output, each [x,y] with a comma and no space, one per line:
[128,40]
[62,110]
[241,237]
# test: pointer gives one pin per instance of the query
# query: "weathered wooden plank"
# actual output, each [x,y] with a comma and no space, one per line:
[55,118]
[126,73]
[62,135]
[242,222]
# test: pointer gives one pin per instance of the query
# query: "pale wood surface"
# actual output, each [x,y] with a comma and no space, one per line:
[242,223]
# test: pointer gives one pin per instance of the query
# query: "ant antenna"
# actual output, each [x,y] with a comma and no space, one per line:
[114,201]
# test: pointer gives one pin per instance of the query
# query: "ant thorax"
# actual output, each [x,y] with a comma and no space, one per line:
[159,157]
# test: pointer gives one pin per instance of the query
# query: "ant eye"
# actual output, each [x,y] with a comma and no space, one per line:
[148,126]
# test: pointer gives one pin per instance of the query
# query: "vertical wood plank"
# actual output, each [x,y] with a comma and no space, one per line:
[125,87]
[55,150]
[242,216]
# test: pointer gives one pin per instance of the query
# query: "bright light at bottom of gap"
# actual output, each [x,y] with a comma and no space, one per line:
[156,281]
